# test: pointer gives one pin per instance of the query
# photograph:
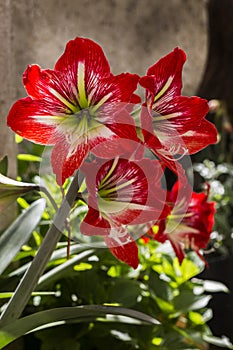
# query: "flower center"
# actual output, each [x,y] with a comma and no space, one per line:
[84,114]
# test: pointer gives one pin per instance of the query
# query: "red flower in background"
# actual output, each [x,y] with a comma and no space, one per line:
[186,230]
[173,124]
[122,193]
[74,106]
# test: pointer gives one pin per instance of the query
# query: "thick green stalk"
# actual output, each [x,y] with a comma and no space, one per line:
[30,279]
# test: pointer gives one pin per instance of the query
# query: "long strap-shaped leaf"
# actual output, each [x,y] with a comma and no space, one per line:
[19,232]
[58,316]
[30,279]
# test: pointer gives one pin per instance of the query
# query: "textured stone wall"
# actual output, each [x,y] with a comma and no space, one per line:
[133,33]
[7,86]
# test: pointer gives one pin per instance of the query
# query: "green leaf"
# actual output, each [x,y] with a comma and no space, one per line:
[29,157]
[18,139]
[83,266]
[196,318]
[3,165]
[161,288]
[187,300]
[58,316]
[61,269]
[57,254]
[188,269]
[6,183]
[125,292]
[6,295]
[214,286]
[19,232]
[164,305]
[223,342]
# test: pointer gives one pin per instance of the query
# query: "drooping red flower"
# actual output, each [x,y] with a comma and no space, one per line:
[173,125]
[122,193]
[74,107]
[190,229]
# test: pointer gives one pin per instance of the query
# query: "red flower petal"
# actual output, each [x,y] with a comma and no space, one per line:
[116,118]
[88,53]
[33,120]
[123,248]
[164,79]
[180,126]
[63,163]
[120,88]
[94,224]
[166,157]
[178,249]
[203,135]
[53,87]
[184,113]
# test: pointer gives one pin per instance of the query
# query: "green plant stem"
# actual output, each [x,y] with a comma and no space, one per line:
[48,195]
[30,279]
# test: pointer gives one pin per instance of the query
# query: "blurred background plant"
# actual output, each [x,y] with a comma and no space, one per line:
[172,300]
[220,178]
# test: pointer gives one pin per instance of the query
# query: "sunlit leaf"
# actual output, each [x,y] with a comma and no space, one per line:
[186,300]
[82,267]
[18,139]
[222,342]
[188,269]
[214,286]
[6,295]
[22,202]
[29,157]
[68,314]
[196,318]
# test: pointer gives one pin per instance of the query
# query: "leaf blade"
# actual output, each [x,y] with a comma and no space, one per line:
[19,232]
[66,314]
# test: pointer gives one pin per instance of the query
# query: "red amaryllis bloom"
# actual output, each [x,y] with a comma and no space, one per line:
[173,124]
[189,230]
[74,106]
[122,193]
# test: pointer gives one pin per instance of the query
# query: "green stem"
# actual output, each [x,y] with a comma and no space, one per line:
[30,279]
[48,195]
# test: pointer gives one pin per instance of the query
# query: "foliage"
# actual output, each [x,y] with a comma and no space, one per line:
[220,178]
[160,287]
[71,292]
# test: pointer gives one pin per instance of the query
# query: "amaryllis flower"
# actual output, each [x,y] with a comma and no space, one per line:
[75,106]
[190,230]
[122,193]
[11,189]
[173,125]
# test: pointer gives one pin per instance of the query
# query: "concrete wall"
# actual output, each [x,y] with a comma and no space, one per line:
[7,85]
[133,33]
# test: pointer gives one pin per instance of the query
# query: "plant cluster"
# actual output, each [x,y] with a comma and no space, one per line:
[110,150]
